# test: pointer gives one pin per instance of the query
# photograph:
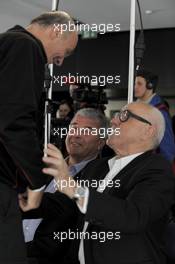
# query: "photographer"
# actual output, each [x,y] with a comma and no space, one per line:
[85,95]
[65,110]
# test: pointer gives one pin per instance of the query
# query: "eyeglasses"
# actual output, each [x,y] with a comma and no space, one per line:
[126,114]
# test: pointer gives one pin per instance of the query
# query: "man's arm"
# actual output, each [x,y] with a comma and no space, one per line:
[53,205]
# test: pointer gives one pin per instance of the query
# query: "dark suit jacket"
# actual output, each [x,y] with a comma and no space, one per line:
[59,214]
[138,209]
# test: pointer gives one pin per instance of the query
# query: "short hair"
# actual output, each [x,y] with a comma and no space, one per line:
[157,119]
[62,102]
[95,114]
[51,18]
[150,78]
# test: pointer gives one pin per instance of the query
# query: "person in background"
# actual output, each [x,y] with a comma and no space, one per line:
[145,91]
[64,115]
[65,110]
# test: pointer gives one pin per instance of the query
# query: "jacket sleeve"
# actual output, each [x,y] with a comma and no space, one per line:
[55,206]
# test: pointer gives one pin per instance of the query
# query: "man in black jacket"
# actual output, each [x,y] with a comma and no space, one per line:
[23,55]
[126,216]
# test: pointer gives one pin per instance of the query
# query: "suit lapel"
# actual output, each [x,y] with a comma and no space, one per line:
[129,172]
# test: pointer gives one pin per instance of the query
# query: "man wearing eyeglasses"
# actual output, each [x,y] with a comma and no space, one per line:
[132,217]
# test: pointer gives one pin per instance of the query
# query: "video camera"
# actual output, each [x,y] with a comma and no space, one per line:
[88,95]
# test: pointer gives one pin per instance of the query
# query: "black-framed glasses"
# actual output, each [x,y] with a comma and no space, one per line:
[124,115]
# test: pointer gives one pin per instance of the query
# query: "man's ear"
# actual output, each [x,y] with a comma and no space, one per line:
[150,132]
[54,32]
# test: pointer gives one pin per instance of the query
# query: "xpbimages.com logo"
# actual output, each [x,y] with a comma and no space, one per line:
[102,80]
[93,183]
[99,28]
[85,131]
[72,235]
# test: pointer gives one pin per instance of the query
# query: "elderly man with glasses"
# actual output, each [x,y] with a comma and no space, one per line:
[131,216]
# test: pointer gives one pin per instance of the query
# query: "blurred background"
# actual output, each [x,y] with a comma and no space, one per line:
[108,54]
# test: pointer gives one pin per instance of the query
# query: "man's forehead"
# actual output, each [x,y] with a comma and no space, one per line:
[83,120]
[137,108]
[140,78]
[133,107]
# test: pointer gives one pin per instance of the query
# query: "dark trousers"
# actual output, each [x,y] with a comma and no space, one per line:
[12,246]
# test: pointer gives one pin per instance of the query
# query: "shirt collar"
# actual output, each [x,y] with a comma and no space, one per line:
[76,168]
[122,162]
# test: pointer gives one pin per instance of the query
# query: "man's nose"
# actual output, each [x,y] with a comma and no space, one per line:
[60,61]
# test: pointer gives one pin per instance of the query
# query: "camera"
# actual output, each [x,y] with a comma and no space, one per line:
[87,95]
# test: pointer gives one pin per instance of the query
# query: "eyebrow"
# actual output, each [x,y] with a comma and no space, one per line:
[73,123]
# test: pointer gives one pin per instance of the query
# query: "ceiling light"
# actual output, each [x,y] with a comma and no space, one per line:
[148,12]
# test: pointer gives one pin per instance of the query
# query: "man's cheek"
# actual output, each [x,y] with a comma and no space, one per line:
[67,144]
[110,140]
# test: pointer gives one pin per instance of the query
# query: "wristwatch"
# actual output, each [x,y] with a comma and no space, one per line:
[79,193]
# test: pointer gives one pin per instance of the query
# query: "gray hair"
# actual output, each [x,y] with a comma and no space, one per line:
[157,120]
[95,114]
[51,18]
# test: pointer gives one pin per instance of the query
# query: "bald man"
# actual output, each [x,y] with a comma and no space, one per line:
[24,53]
[124,223]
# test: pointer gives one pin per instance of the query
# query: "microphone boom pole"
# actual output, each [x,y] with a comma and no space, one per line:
[49,78]
[55,4]
[131,52]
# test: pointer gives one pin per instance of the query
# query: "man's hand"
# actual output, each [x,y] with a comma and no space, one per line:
[30,200]
[57,167]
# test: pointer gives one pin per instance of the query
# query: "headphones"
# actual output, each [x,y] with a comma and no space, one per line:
[150,78]
[149,85]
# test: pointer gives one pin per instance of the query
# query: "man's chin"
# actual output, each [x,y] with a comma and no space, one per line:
[74,152]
